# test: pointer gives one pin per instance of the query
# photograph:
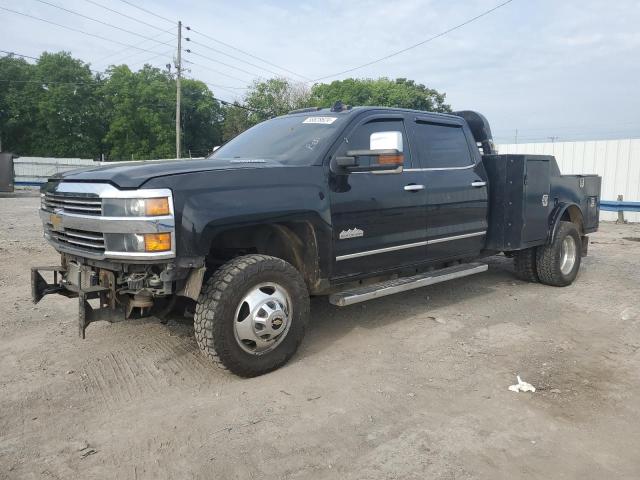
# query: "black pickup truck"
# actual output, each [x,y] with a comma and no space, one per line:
[352,203]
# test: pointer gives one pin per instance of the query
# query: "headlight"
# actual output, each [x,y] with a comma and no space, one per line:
[138,242]
[135,207]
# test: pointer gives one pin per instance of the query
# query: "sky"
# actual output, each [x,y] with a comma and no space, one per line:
[546,69]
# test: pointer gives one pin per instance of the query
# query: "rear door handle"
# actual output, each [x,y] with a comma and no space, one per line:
[478,184]
[413,187]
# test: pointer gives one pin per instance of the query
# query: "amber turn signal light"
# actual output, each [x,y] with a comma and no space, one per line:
[157,206]
[157,242]
[391,159]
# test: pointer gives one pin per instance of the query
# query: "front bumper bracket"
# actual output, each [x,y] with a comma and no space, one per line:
[86,313]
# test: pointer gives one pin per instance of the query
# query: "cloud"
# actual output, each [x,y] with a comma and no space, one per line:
[529,65]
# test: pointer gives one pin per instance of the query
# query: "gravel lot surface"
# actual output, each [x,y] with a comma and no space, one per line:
[412,386]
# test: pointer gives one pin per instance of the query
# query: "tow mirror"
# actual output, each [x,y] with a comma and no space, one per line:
[388,160]
[384,155]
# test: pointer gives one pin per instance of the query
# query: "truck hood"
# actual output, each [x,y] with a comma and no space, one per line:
[135,174]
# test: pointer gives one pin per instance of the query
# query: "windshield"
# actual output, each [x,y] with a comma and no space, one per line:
[292,140]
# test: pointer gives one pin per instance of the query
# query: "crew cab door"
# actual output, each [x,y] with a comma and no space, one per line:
[456,188]
[378,219]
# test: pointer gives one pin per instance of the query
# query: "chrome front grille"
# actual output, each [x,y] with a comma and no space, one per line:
[72,203]
[75,222]
[90,241]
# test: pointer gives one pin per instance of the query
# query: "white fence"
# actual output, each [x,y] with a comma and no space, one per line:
[33,171]
[616,161]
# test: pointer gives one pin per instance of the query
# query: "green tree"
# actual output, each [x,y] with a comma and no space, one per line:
[236,121]
[262,101]
[274,97]
[202,117]
[17,104]
[50,108]
[58,107]
[68,121]
[383,92]
[140,111]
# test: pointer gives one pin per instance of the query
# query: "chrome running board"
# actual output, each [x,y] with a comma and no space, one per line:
[362,294]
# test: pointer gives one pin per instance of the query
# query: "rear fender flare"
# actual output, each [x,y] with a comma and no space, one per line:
[558,212]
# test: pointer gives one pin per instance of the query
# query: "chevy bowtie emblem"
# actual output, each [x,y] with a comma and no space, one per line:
[351,233]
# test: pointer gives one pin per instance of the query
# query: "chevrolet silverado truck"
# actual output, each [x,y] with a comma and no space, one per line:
[349,203]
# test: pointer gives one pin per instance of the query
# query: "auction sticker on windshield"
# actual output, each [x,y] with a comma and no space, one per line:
[322,120]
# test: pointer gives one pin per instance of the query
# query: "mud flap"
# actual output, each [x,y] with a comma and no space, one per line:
[585,246]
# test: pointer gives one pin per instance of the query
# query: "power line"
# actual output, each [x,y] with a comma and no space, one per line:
[219,41]
[73,12]
[19,55]
[247,53]
[430,39]
[224,102]
[219,86]
[77,30]
[72,83]
[44,82]
[231,56]
[37,59]
[148,11]
[102,60]
[152,58]
[215,86]
[222,63]
[235,104]
[224,87]
[125,15]
[216,71]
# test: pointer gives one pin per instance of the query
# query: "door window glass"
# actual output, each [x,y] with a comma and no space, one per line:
[441,146]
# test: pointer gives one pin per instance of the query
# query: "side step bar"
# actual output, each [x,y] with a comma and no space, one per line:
[362,294]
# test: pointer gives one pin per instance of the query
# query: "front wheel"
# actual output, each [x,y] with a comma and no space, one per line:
[558,263]
[252,314]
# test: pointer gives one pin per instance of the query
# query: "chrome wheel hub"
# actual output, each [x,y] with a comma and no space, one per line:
[263,318]
[568,255]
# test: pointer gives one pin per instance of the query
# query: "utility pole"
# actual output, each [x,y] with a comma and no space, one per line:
[516,136]
[178,90]
[553,139]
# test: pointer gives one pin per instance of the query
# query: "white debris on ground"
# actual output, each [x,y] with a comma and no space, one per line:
[522,386]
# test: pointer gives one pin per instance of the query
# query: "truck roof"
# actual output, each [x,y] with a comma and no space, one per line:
[348,110]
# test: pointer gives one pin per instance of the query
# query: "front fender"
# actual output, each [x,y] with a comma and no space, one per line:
[208,203]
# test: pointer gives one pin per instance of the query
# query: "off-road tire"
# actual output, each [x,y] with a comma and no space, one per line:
[549,257]
[524,265]
[217,303]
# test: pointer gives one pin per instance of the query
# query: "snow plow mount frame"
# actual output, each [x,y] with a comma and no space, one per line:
[86,313]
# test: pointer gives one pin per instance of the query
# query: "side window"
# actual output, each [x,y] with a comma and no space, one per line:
[361,138]
[441,146]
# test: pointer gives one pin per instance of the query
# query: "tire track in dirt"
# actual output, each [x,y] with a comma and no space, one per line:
[119,376]
[116,378]
[184,359]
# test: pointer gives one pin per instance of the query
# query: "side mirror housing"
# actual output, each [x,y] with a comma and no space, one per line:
[384,155]
[389,160]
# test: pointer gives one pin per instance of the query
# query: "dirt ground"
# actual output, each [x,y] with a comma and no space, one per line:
[411,386]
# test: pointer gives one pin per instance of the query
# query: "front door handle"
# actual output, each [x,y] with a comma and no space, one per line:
[478,184]
[413,187]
